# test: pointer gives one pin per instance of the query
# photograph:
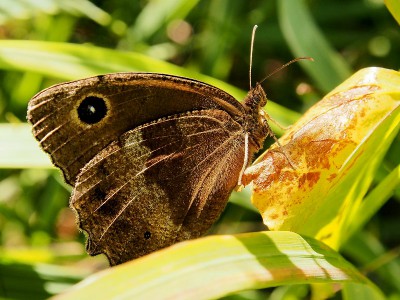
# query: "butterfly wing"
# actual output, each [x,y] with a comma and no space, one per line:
[159,183]
[76,120]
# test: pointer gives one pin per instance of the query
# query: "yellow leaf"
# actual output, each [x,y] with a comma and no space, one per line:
[335,147]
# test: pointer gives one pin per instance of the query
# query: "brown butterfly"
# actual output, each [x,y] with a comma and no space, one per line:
[152,158]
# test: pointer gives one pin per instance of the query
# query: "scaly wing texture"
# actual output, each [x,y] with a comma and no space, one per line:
[160,183]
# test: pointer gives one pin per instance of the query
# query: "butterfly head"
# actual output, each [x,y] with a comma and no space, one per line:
[255,99]
[256,121]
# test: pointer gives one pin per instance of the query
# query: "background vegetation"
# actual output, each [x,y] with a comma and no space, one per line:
[41,251]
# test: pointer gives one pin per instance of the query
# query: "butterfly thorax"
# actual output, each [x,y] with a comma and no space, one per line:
[256,123]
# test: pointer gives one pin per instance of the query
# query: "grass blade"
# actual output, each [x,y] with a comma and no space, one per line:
[215,266]
[305,39]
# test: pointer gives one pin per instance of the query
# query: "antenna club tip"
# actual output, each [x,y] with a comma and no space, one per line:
[306,58]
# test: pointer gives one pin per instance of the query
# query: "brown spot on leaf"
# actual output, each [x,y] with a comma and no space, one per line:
[332,177]
[274,216]
[307,180]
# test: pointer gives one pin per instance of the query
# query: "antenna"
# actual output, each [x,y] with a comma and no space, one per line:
[253,35]
[285,65]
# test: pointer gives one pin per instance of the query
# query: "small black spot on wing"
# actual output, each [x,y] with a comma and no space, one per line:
[147,235]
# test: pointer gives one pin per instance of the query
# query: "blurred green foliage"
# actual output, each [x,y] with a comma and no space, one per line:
[204,37]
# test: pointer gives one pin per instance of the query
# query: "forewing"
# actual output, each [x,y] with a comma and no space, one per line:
[158,184]
[130,99]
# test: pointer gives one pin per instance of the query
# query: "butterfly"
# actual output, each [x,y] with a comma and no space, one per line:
[152,158]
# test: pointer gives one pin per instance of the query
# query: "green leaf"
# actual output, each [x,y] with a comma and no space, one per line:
[373,202]
[23,9]
[155,15]
[36,281]
[370,254]
[219,265]
[19,149]
[305,39]
[353,291]
[394,7]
